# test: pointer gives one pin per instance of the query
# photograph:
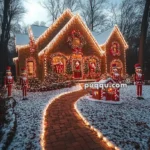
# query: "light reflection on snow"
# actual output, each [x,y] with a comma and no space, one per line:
[127,124]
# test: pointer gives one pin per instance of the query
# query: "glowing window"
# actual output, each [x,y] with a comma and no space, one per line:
[30,68]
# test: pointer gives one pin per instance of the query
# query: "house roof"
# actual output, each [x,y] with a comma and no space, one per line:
[22,39]
[103,38]
[38,30]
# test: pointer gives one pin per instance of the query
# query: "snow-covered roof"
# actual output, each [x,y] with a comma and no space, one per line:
[22,39]
[38,30]
[101,38]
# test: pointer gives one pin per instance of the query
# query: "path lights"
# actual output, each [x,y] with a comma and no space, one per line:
[99,134]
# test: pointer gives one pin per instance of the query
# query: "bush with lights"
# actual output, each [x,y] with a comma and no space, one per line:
[52,81]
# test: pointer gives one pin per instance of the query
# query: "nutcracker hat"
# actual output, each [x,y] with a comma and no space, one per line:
[114,66]
[8,69]
[137,66]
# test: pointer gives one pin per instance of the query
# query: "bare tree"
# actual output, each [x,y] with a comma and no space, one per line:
[11,12]
[42,23]
[94,13]
[129,18]
[56,7]
[144,28]
[114,7]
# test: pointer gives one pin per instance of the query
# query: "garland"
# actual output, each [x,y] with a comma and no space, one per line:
[76,41]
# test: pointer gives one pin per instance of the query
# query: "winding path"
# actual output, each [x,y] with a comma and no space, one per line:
[65,130]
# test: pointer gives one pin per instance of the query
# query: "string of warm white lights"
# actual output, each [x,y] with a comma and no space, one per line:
[105,60]
[45,110]
[45,65]
[18,47]
[125,65]
[58,20]
[102,52]
[116,29]
[54,41]
[99,134]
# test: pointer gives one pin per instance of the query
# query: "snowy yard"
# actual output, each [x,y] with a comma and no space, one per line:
[127,124]
[29,117]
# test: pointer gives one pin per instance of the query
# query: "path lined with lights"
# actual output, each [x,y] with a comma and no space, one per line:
[64,128]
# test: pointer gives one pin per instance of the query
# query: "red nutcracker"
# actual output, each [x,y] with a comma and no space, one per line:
[24,83]
[8,81]
[138,80]
[117,78]
[77,72]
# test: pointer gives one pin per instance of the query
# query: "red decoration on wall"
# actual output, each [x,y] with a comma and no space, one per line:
[76,41]
[115,49]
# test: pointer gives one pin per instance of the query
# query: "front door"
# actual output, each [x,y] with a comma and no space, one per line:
[77,69]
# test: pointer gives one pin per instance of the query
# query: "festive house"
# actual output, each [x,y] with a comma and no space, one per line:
[68,47]
[107,92]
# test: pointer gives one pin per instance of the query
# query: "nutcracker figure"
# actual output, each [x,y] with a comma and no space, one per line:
[117,78]
[8,81]
[77,67]
[24,83]
[115,73]
[138,80]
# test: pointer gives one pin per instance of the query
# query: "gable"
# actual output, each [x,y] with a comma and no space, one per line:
[53,30]
[38,30]
[59,43]
[117,35]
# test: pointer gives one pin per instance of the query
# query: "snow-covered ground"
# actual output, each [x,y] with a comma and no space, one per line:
[29,117]
[9,126]
[127,125]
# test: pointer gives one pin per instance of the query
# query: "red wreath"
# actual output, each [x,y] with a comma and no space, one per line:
[115,49]
[76,41]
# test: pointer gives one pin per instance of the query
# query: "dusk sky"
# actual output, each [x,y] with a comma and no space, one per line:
[35,12]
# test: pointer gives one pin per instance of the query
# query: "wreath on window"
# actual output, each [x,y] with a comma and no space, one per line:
[115,49]
[76,41]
